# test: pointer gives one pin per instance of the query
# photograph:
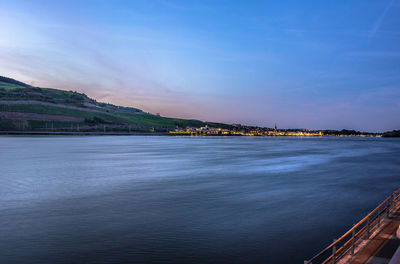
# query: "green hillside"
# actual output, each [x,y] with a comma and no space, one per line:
[27,108]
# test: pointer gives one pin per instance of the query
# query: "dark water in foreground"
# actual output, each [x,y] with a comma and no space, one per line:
[186,200]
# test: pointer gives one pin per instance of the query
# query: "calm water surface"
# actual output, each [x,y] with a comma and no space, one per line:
[186,200]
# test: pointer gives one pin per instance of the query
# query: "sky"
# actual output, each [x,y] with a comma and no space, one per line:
[300,64]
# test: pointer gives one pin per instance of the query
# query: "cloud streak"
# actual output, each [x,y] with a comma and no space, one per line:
[379,21]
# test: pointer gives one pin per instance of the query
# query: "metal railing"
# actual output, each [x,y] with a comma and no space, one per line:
[348,242]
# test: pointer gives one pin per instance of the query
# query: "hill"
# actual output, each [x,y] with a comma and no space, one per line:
[394,133]
[27,108]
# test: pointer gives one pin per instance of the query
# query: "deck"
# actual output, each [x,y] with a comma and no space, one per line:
[380,248]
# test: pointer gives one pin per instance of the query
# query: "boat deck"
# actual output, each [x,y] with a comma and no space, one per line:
[382,245]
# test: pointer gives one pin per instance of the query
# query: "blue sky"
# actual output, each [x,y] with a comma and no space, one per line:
[305,64]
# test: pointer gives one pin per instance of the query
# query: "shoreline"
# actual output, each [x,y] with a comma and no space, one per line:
[66,133]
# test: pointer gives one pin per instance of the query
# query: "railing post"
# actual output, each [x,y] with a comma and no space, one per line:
[334,252]
[352,241]
[388,208]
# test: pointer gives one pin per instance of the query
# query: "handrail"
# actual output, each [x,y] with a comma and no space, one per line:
[395,195]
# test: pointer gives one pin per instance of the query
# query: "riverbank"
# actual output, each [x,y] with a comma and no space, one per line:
[66,133]
[83,133]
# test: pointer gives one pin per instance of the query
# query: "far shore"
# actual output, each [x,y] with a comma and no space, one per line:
[68,133]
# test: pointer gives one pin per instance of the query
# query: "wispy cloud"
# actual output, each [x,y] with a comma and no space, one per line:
[379,21]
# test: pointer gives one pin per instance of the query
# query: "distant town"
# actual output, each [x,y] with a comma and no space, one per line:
[240,130]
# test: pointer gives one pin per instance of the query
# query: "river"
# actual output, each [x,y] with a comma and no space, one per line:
[155,199]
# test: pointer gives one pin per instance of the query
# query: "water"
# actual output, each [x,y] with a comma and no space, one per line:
[186,200]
